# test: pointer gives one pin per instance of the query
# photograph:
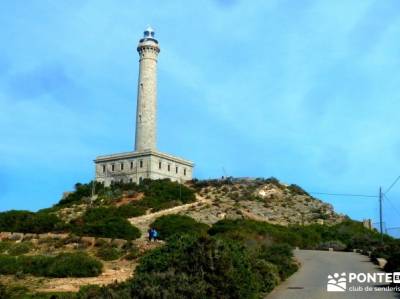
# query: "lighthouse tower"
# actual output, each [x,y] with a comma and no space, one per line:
[145,162]
[146,114]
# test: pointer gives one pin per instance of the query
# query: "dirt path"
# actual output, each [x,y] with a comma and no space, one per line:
[143,222]
[121,272]
[114,271]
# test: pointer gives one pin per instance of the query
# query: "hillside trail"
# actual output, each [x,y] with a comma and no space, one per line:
[143,222]
[117,271]
[120,270]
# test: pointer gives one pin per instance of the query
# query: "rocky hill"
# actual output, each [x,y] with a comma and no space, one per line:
[248,198]
[111,226]
[260,199]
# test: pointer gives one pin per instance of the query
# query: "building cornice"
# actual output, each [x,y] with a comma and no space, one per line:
[130,155]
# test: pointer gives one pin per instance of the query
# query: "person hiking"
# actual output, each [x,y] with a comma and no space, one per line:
[150,232]
[155,234]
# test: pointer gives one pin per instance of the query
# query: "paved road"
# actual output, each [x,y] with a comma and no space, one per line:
[311,280]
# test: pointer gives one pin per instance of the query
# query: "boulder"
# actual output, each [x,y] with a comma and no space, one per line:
[28,237]
[16,236]
[43,236]
[381,262]
[5,236]
[88,241]
[71,239]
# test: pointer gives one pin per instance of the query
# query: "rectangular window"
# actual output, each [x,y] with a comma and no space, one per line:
[131,165]
[176,169]
[184,171]
[141,163]
[104,168]
[122,166]
[112,167]
[169,167]
[159,165]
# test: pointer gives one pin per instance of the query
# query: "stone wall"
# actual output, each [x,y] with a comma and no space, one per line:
[68,238]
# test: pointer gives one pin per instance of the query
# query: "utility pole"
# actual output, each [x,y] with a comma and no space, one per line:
[380,213]
[180,189]
[93,188]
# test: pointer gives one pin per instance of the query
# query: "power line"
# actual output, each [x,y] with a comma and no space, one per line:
[393,206]
[392,185]
[343,194]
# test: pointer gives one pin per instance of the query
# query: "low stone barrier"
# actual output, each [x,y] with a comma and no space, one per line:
[381,262]
[69,239]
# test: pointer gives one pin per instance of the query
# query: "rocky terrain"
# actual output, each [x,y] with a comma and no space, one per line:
[266,200]
[262,200]
[259,199]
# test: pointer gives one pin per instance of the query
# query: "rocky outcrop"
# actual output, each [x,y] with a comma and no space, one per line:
[262,200]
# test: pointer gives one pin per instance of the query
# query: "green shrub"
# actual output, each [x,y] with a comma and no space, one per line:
[158,195]
[267,274]
[81,190]
[393,263]
[130,210]
[112,291]
[20,248]
[190,267]
[100,222]
[170,225]
[163,194]
[132,254]
[336,245]
[13,292]
[251,230]
[5,246]
[109,253]
[29,222]
[62,265]
[273,181]
[297,190]
[280,255]
[8,264]
[74,265]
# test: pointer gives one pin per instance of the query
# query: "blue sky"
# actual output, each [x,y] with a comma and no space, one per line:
[306,91]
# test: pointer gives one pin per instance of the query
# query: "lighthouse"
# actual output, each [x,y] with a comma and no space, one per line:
[146,114]
[145,161]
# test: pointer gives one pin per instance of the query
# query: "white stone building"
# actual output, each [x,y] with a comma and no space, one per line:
[145,161]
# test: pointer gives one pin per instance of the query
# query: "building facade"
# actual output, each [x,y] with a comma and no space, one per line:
[145,161]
